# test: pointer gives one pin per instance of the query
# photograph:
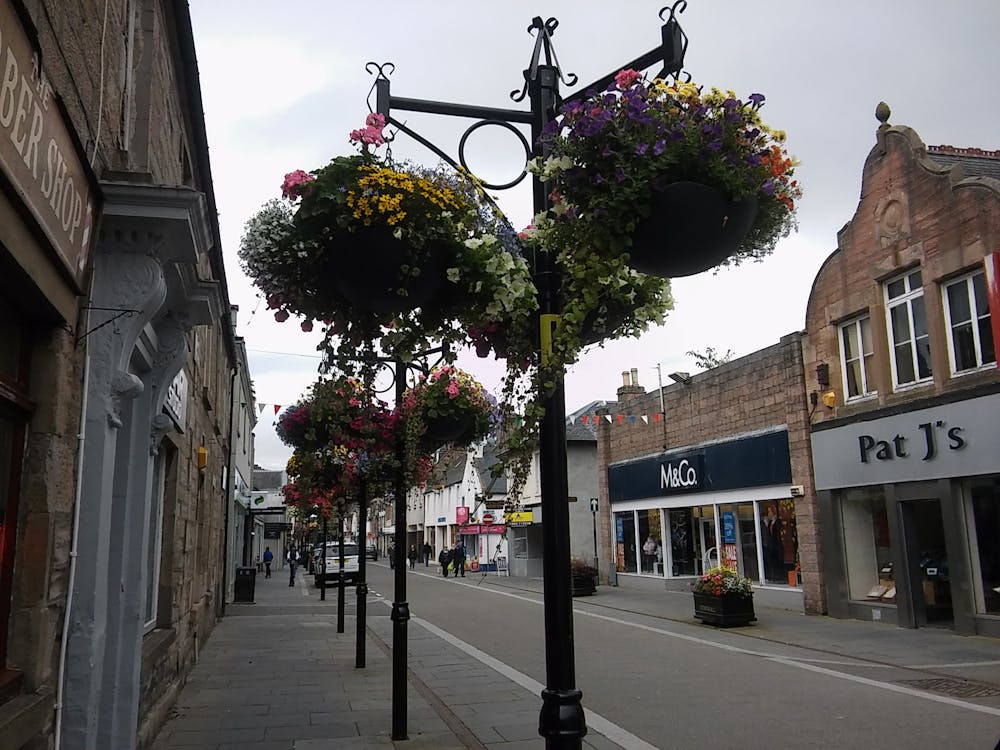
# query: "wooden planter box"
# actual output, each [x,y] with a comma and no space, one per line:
[584,586]
[725,611]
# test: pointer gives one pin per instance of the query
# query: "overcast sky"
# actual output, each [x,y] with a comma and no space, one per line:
[284,83]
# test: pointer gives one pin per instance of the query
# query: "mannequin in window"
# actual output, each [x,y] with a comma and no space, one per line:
[771,542]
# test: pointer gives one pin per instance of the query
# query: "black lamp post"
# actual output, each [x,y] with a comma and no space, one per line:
[561,719]
[362,544]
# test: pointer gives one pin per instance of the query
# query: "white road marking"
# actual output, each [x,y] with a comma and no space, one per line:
[781,659]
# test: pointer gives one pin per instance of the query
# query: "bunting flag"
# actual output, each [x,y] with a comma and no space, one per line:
[585,418]
[645,419]
[260,408]
[277,408]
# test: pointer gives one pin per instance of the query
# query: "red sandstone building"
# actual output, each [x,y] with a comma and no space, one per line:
[902,335]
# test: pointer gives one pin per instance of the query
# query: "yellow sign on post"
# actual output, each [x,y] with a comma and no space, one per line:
[518,517]
[548,323]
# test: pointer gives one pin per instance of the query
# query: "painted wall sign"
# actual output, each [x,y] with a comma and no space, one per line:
[951,440]
[175,403]
[38,152]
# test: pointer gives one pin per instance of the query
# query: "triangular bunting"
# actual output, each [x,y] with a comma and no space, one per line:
[656,417]
[572,420]
[585,418]
[645,419]
[260,408]
[632,418]
[277,408]
[621,418]
[608,417]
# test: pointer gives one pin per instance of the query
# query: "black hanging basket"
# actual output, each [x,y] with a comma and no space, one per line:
[368,274]
[441,430]
[691,227]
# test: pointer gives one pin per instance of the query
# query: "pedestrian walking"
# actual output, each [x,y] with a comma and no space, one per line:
[268,557]
[413,556]
[445,559]
[458,558]
[427,554]
[293,561]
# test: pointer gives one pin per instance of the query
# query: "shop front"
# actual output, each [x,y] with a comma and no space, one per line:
[729,503]
[910,504]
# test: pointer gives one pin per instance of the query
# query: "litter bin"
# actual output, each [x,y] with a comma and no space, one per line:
[246,580]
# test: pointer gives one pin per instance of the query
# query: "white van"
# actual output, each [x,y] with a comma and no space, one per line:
[333,562]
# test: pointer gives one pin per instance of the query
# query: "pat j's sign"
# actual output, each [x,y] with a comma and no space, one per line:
[951,440]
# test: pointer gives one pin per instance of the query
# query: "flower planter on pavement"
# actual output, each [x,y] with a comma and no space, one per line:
[724,611]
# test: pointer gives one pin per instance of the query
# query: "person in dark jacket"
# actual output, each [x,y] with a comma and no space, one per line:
[413,556]
[445,559]
[427,554]
[458,557]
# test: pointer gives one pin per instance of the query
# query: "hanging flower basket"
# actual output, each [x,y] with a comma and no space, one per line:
[386,254]
[383,275]
[448,406]
[691,227]
[716,181]
[448,429]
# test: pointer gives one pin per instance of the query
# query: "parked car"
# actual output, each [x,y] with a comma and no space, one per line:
[371,552]
[333,562]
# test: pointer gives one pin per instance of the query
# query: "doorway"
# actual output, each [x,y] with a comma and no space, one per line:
[927,562]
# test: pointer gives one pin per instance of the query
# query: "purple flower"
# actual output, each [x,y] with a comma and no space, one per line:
[715,145]
[768,187]
[659,147]
[641,149]
[620,174]
[756,99]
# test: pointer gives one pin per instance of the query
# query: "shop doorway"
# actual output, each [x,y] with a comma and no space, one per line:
[927,562]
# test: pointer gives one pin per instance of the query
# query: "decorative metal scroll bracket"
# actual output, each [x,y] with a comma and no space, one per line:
[121,313]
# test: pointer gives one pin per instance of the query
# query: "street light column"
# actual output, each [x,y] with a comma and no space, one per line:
[400,608]
[561,720]
[359,660]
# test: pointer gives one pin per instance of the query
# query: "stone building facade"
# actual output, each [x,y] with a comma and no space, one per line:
[115,374]
[902,327]
[714,468]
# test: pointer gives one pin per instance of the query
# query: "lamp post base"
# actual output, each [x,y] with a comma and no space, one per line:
[561,721]
[359,660]
[400,616]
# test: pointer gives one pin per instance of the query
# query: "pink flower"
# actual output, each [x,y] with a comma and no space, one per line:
[371,134]
[307,325]
[281,316]
[626,78]
[375,120]
[273,301]
[452,389]
[292,187]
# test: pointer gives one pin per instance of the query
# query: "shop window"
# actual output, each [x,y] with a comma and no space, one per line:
[651,552]
[625,546]
[867,552]
[970,338]
[909,341]
[683,557]
[985,498]
[856,355]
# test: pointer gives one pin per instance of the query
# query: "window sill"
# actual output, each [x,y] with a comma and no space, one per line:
[24,717]
[10,684]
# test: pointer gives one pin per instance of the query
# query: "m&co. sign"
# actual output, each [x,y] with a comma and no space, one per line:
[38,153]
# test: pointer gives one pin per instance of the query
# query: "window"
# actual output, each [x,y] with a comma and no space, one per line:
[856,357]
[867,548]
[970,339]
[906,318]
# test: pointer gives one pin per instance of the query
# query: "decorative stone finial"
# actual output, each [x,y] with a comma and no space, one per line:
[882,113]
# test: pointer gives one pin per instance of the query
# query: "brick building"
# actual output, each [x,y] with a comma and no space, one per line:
[117,360]
[715,468]
[902,337]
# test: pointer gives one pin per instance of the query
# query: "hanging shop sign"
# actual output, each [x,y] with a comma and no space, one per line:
[469,528]
[39,154]
[951,440]
[461,514]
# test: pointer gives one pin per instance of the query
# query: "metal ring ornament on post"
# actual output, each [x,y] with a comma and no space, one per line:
[509,126]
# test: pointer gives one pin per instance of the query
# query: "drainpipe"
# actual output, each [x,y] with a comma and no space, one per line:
[80,440]
[229,494]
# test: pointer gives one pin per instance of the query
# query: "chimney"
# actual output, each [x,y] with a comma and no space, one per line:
[630,388]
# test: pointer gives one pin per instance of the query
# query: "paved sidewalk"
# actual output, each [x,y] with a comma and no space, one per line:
[276,675]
